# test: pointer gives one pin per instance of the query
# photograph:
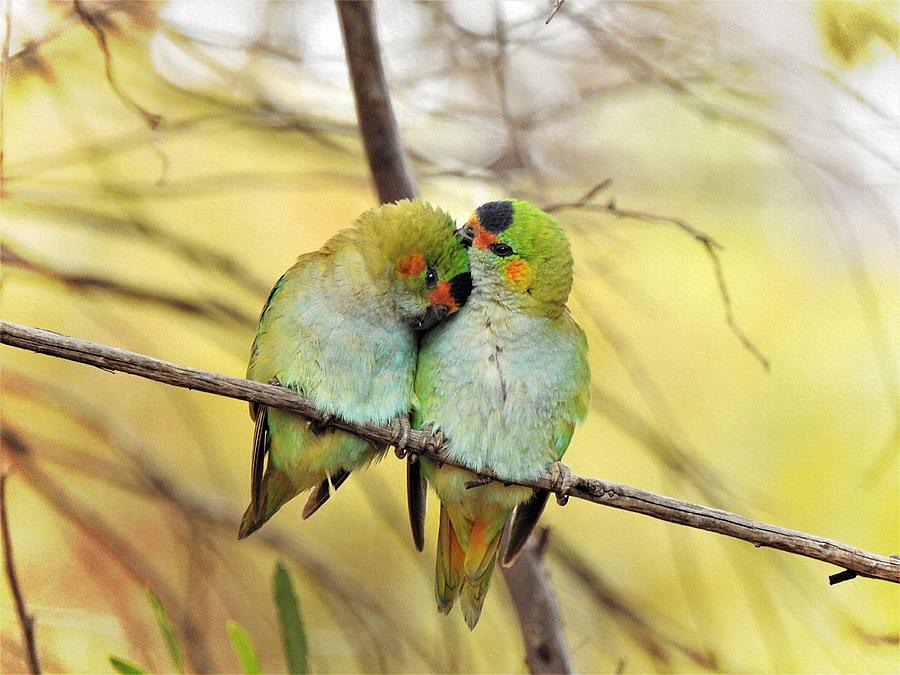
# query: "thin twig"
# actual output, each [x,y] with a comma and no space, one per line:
[616,495]
[710,245]
[26,621]
[557,5]
[582,201]
[94,23]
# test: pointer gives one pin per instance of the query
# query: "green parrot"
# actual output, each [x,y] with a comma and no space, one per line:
[506,381]
[340,327]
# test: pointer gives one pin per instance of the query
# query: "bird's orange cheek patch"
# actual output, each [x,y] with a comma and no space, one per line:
[442,296]
[411,265]
[519,273]
[484,239]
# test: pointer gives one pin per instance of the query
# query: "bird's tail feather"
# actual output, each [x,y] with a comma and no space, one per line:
[481,556]
[277,489]
[450,569]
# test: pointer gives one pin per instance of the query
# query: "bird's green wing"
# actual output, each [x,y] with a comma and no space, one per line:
[572,410]
[416,486]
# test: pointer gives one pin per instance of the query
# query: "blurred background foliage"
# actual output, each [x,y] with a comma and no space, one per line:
[163,163]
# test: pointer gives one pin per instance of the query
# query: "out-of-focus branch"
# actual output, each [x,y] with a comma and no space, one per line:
[97,530]
[345,596]
[854,560]
[710,245]
[656,643]
[377,124]
[26,621]
[94,22]
[546,650]
[206,308]
[192,252]
[4,75]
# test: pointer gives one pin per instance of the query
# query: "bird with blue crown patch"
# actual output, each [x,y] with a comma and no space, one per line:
[505,381]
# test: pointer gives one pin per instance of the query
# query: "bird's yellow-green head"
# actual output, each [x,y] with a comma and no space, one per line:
[520,256]
[421,259]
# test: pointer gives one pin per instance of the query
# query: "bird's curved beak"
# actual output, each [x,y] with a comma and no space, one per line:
[430,317]
[467,234]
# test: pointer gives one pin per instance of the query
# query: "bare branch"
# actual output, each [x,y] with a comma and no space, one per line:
[26,621]
[377,124]
[529,586]
[616,495]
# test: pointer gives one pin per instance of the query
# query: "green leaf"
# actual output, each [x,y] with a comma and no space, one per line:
[167,630]
[125,666]
[293,636]
[243,648]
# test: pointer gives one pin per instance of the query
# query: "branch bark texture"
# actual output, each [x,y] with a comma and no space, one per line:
[377,124]
[537,609]
[616,495]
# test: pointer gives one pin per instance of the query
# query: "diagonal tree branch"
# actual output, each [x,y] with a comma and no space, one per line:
[855,561]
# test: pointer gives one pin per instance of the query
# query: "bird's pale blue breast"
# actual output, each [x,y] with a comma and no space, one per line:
[322,335]
[503,386]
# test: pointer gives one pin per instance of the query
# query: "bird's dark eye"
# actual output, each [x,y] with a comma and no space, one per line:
[501,249]
[430,278]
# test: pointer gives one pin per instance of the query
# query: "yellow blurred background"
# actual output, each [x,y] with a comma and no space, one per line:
[771,127]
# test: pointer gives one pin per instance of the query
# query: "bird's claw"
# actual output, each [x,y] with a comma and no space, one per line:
[400,426]
[321,426]
[435,440]
[562,481]
[477,482]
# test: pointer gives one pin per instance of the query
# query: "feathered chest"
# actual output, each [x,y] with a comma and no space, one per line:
[499,382]
[334,345]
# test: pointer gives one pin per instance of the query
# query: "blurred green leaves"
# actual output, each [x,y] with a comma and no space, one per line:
[125,666]
[243,648]
[167,630]
[290,622]
[293,635]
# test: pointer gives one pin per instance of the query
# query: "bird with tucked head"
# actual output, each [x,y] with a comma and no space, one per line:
[506,381]
[340,327]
